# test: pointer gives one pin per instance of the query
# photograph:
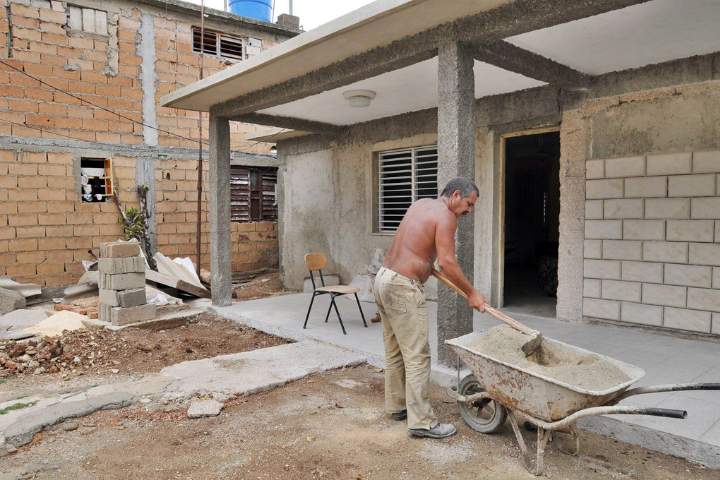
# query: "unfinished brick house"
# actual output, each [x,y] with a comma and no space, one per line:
[80,121]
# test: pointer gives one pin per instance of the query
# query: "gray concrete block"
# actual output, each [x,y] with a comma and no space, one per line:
[119,249]
[625,167]
[612,188]
[132,298]
[603,229]
[593,249]
[623,208]
[704,299]
[690,230]
[617,290]
[591,288]
[604,269]
[594,209]
[706,162]
[642,314]
[716,278]
[121,265]
[108,297]
[645,187]
[705,254]
[717,231]
[668,295]
[669,164]
[705,208]
[670,252]
[667,208]
[607,309]
[688,275]
[622,250]
[595,169]
[716,323]
[105,312]
[124,316]
[691,185]
[642,272]
[122,281]
[644,230]
[695,320]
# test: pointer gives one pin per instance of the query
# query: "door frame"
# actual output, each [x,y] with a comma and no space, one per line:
[499,290]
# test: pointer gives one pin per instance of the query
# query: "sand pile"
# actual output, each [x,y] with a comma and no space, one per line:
[555,361]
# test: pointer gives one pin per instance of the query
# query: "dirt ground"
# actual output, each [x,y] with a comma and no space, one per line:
[90,356]
[329,426]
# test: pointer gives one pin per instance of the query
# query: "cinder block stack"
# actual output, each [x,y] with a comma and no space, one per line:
[122,284]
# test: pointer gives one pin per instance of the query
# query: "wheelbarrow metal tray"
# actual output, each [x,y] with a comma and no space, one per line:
[533,393]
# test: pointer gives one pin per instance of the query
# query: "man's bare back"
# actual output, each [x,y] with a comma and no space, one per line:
[413,252]
[427,233]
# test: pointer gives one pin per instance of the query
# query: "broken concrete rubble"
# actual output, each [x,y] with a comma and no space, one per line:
[10,300]
[204,408]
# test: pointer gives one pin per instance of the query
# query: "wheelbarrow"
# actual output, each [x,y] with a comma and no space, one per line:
[496,391]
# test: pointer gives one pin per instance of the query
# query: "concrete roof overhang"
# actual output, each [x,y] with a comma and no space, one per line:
[390,46]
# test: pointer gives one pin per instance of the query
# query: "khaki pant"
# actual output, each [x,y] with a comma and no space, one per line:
[402,308]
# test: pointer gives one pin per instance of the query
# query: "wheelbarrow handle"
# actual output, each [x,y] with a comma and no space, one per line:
[492,311]
[664,412]
[680,387]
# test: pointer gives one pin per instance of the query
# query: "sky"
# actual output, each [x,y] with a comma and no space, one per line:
[312,13]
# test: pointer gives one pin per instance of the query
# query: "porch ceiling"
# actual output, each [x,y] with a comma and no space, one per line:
[408,89]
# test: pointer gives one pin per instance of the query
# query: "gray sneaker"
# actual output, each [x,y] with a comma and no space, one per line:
[441,430]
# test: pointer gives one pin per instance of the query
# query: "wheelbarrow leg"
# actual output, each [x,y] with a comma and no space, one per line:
[542,439]
[519,437]
[574,438]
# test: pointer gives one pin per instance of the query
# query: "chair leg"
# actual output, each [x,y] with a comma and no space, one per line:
[361,311]
[308,312]
[338,314]
[327,315]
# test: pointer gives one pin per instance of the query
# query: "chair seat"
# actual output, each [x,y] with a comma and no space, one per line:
[342,289]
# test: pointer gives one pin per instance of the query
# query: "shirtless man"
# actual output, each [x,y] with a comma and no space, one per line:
[426,233]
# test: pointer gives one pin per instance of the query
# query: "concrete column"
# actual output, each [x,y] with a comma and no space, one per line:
[456,154]
[219,193]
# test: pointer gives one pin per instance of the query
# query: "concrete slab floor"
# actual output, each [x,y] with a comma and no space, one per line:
[665,358]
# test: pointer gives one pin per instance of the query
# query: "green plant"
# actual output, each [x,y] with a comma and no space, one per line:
[133,224]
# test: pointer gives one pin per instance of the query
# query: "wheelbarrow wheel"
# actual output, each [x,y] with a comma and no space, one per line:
[484,416]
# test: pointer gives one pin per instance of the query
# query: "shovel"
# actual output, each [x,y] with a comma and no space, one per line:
[530,347]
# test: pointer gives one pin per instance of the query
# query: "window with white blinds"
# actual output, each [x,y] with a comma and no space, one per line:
[404,176]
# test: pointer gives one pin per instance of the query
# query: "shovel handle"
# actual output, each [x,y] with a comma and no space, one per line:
[492,311]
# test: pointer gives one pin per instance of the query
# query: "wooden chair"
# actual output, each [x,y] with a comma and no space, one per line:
[316,262]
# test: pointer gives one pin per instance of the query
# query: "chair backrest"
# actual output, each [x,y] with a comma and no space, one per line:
[315,261]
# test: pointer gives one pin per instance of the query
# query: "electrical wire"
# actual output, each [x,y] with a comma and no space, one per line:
[42,82]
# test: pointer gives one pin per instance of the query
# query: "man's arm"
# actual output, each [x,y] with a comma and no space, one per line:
[445,247]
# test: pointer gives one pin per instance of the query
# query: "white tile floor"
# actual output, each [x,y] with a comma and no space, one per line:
[665,358]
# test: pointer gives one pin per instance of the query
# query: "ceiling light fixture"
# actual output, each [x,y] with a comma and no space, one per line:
[359,98]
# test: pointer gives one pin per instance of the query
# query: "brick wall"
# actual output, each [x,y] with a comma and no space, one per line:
[652,240]
[254,245]
[45,230]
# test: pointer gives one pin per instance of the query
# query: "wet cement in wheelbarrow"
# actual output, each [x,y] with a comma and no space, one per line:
[586,371]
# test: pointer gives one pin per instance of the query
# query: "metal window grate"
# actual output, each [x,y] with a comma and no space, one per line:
[404,176]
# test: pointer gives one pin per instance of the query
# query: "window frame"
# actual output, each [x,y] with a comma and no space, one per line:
[259,201]
[415,174]
[107,178]
[219,37]
[82,28]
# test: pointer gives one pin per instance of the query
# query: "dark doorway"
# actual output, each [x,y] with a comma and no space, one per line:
[532,208]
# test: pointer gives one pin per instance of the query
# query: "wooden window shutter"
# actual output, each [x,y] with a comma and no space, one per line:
[252,194]
[239,194]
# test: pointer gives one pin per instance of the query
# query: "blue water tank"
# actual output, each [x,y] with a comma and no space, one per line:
[259,9]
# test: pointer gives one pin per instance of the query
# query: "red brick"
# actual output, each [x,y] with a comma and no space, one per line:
[49,268]
[24,245]
[15,270]
[53,109]
[39,94]
[31,257]
[52,243]
[61,158]
[23,105]
[24,56]
[7,233]
[32,182]
[32,207]
[33,157]
[22,220]
[23,169]
[26,33]
[60,231]
[52,16]
[43,48]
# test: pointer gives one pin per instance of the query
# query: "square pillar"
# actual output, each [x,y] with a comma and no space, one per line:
[219,195]
[456,158]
